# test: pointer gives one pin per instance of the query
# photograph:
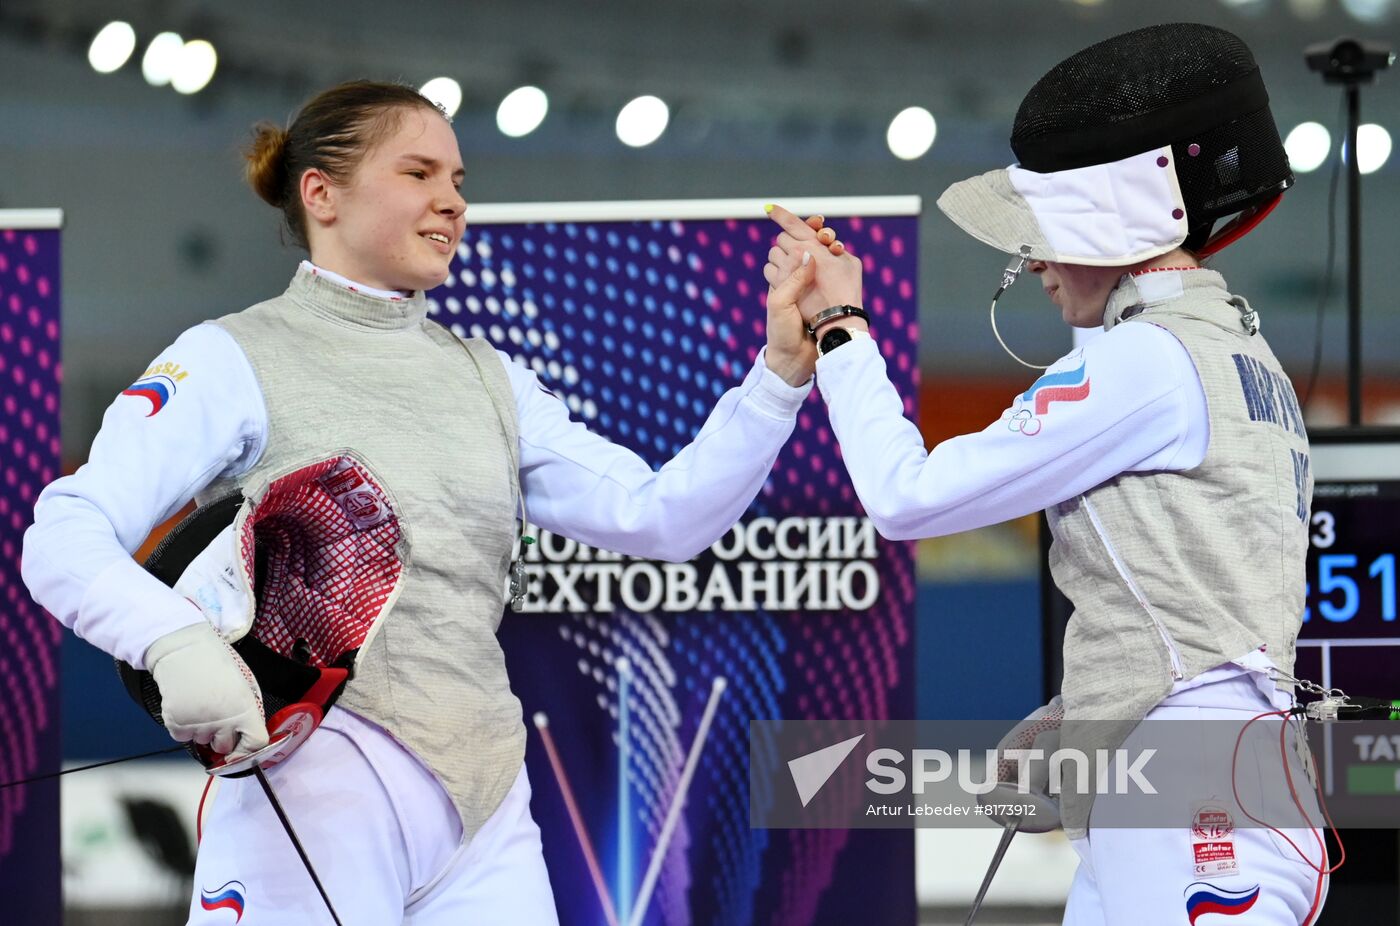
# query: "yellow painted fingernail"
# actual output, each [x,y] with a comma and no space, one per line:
[768,208]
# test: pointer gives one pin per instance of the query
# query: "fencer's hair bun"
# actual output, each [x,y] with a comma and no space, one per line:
[265,163]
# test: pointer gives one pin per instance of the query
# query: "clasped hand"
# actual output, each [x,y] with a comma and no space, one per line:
[808,270]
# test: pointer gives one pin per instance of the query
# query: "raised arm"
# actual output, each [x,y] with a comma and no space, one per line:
[1130,401]
[581,485]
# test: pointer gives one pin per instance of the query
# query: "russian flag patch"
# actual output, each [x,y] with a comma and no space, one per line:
[158,390]
[227,897]
[1203,897]
[1064,386]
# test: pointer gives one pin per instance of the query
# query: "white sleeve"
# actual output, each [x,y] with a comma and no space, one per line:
[1129,401]
[196,414]
[582,486]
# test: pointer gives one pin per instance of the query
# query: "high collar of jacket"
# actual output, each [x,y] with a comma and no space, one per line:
[1196,293]
[341,302]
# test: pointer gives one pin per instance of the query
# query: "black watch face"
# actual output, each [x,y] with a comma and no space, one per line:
[834,338]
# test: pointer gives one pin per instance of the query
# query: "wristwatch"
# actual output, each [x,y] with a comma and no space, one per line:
[833,339]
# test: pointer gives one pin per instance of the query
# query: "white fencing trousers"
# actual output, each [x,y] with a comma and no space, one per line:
[1147,877]
[383,835]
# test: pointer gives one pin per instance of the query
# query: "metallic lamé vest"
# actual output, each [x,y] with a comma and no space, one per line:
[1173,573]
[340,370]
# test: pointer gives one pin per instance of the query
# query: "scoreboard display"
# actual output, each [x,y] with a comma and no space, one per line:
[1351,637]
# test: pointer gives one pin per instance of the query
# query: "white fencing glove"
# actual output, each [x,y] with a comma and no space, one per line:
[1041,732]
[208,694]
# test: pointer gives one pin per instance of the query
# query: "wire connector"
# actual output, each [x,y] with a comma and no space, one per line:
[1013,269]
[1328,709]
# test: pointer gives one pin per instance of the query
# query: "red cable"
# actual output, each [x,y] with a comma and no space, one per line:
[199,814]
[1322,801]
[1322,872]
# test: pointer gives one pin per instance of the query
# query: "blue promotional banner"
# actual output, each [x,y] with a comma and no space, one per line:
[30,451]
[642,678]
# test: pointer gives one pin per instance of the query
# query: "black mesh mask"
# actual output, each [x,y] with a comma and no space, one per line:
[1193,87]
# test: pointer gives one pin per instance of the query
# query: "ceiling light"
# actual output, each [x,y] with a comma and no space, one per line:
[111,47]
[911,133]
[195,67]
[159,62]
[445,92]
[1372,147]
[642,121]
[1307,146]
[522,111]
